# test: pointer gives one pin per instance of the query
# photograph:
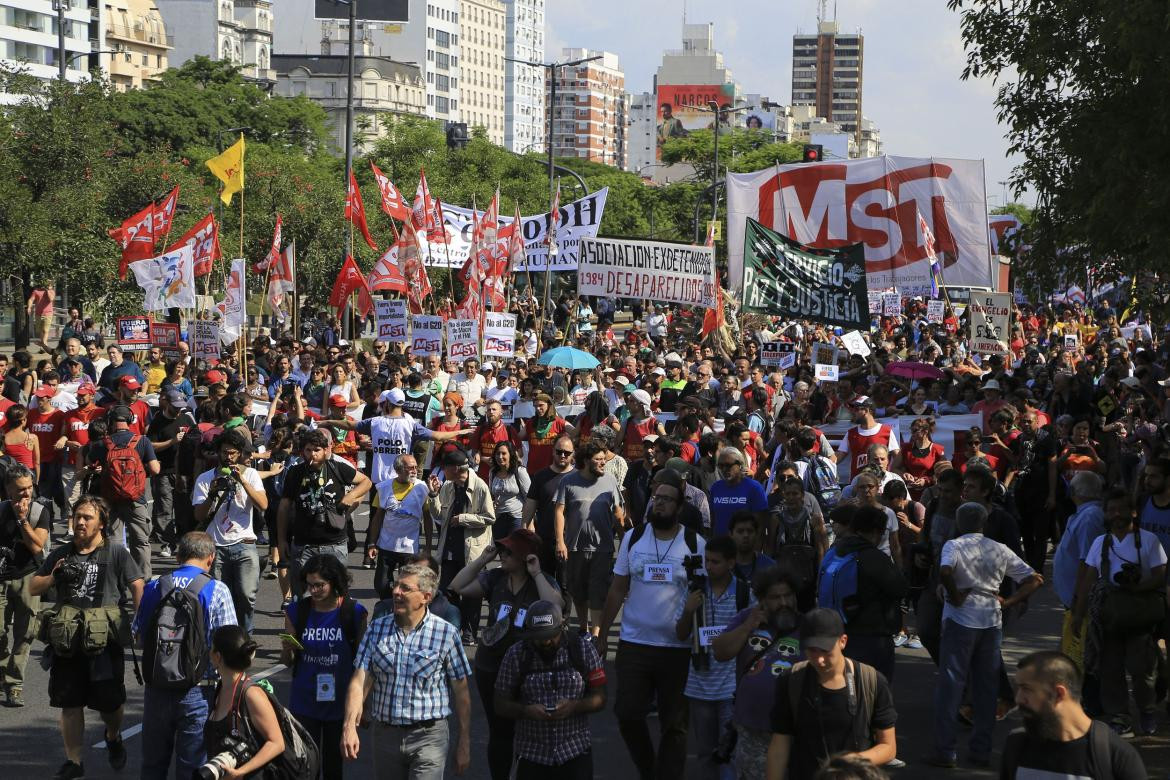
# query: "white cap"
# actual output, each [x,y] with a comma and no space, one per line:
[394,397]
[659,370]
[488,366]
[991,384]
[642,397]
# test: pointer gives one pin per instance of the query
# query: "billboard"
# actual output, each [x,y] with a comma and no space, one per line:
[683,108]
[372,10]
[874,201]
[757,118]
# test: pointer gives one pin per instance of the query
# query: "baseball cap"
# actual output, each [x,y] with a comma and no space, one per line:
[310,341]
[642,397]
[543,621]
[394,397]
[455,458]
[176,399]
[678,466]
[201,391]
[86,388]
[121,414]
[521,542]
[215,378]
[659,370]
[620,380]
[338,400]
[44,391]
[821,629]
[862,400]
[129,382]
[488,366]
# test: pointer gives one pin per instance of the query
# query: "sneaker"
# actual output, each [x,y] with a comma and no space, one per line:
[1122,729]
[1147,723]
[900,639]
[262,541]
[15,696]
[270,573]
[166,552]
[69,771]
[468,638]
[895,763]
[914,643]
[942,762]
[116,752]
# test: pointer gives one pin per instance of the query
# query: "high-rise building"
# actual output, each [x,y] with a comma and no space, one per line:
[28,38]
[238,31]
[590,112]
[481,80]
[524,91]
[827,73]
[135,29]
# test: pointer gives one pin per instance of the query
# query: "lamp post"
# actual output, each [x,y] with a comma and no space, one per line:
[715,109]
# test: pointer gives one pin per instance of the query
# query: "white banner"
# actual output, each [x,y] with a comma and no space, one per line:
[391,319]
[935,310]
[873,200]
[462,339]
[668,273]
[990,318]
[855,343]
[205,340]
[426,335]
[578,220]
[499,335]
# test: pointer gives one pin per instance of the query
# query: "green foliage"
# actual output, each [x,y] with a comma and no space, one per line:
[1017,210]
[1067,73]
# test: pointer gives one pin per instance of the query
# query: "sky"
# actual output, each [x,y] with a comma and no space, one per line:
[914,58]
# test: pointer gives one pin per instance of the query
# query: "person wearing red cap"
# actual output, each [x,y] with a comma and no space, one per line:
[127,395]
[46,423]
[75,435]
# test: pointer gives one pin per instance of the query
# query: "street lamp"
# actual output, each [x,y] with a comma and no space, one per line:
[715,109]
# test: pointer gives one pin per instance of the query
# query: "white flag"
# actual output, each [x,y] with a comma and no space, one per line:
[168,280]
[232,305]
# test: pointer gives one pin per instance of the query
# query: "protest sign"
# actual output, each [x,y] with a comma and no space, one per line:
[770,353]
[855,343]
[875,301]
[499,335]
[205,340]
[825,372]
[165,336]
[821,352]
[1071,342]
[990,319]
[781,277]
[391,319]
[935,311]
[427,335]
[462,339]
[1139,332]
[891,304]
[134,332]
[647,270]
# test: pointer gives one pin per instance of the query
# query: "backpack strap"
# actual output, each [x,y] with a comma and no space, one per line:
[635,535]
[742,592]
[796,681]
[304,607]
[348,615]
[866,677]
[1014,746]
[691,539]
[1100,750]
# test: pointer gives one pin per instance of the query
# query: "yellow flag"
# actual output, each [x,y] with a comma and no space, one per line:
[229,167]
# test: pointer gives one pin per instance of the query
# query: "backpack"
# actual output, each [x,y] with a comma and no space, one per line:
[837,582]
[1100,750]
[347,616]
[765,424]
[690,538]
[572,641]
[174,644]
[125,476]
[820,479]
[860,704]
[300,758]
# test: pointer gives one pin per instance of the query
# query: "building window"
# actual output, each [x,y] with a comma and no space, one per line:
[442,105]
[442,38]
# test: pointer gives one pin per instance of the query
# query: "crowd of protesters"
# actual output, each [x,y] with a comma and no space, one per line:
[744,549]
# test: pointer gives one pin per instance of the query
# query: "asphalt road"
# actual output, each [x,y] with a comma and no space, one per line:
[31,747]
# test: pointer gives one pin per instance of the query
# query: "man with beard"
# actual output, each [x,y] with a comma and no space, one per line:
[765,643]
[1058,739]
[866,430]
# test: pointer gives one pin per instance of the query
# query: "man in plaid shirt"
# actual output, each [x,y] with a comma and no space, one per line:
[549,682]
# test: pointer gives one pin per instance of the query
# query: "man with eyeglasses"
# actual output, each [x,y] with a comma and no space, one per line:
[119,367]
[394,527]
[540,506]
[469,383]
[735,491]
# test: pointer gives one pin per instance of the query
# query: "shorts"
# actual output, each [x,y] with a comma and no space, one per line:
[587,577]
[97,682]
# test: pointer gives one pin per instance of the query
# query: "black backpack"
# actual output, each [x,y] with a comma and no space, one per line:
[347,617]
[690,538]
[300,758]
[175,651]
[572,641]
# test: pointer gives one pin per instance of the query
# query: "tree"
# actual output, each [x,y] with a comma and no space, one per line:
[1070,73]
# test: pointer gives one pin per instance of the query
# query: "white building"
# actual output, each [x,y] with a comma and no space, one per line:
[135,28]
[482,74]
[640,135]
[28,38]
[524,91]
[590,114]
[238,31]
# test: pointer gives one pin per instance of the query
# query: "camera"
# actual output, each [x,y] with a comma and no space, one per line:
[696,579]
[7,558]
[233,752]
[68,575]
[1130,575]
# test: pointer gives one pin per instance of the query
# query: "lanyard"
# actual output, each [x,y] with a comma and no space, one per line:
[660,556]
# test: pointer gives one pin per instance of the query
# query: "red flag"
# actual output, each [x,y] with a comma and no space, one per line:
[351,280]
[282,277]
[411,264]
[355,212]
[273,251]
[386,274]
[164,214]
[423,208]
[517,254]
[437,226]
[136,237]
[392,201]
[205,236]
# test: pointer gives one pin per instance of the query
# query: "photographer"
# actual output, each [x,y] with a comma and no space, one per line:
[224,498]
[24,530]
[239,749]
[91,574]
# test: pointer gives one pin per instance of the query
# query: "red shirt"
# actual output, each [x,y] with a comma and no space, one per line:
[47,428]
[859,445]
[921,467]
[632,447]
[484,442]
[540,448]
[77,428]
[141,411]
[5,404]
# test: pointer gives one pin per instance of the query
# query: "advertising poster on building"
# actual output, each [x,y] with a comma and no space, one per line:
[426,332]
[205,340]
[683,108]
[462,339]
[499,335]
[990,317]
[874,201]
[391,319]
[647,270]
[134,332]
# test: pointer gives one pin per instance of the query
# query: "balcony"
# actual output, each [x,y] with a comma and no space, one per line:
[139,34]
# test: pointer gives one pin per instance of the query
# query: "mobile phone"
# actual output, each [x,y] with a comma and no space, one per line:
[292,640]
[550,709]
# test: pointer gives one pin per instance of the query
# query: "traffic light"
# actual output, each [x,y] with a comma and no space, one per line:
[457,135]
[813,153]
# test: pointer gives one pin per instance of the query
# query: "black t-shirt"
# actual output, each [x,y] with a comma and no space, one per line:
[544,492]
[1044,759]
[163,428]
[23,561]
[121,571]
[824,728]
[12,387]
[453,551]
[313,493]
[506,613]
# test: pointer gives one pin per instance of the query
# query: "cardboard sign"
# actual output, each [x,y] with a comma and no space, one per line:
[823,353]
[134,332]
[205,340]
[891,304]
[391,320]
[499,335]
[427,335]
[825,372]
[462,339]
[855,343]
[1071,342]
[875,301]
[935,311]
[165,336]
[990,318]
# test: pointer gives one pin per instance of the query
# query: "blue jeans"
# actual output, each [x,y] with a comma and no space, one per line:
[707,721]
[966,653]
[172,722]
[238,566]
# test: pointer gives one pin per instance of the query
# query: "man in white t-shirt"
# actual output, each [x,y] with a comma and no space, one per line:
[469,383]
[394,526]
[652,663]
[224,498]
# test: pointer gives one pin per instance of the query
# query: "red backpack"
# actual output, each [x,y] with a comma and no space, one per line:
[125,475]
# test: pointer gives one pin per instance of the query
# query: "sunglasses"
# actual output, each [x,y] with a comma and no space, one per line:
[565,453]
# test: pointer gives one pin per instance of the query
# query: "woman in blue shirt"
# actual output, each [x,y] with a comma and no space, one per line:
[328,625]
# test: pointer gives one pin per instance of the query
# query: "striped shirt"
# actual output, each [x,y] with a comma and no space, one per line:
[411,670]
[716,683]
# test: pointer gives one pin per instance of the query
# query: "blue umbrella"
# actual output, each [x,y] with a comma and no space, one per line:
[568,357]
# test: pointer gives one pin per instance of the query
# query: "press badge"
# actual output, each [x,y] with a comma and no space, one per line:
[707,633]
[505,609]
[658,572]
[326,687]
[520,615]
